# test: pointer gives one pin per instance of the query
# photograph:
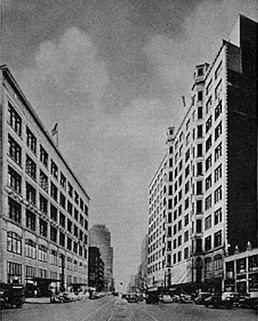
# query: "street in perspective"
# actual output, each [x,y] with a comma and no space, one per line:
[113,308]
[128,160]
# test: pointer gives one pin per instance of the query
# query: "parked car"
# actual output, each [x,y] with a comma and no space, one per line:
[175,298]
[152,298]
[132,298]
[201,297]
[249,300]
[226,300]
[12,295]
[185,298]
[166,298]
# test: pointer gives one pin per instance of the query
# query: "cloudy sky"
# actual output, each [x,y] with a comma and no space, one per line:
[112,74]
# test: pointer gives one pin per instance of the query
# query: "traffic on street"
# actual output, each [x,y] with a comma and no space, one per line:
[114,308]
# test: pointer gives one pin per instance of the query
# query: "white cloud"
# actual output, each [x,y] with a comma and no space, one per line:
[68,67]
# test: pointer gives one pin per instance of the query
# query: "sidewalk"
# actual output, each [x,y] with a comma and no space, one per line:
[37,300]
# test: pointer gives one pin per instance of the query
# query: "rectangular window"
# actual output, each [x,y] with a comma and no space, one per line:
[208,104]
[218,90]
[15,150]
[218,110]
[198,207]
[186,236]
[53,257]
[218,194]
[14,210]
[43,226]
[218,152]
[199,150]
[42,253]
[208,143]
[218,238]
[208,202]
[199,188]
[53,212]
[15,120]
[218,173]
[31,167]
[199,131]
[199,96]
[62,220]
[218,130]
[30,249]
[69,244]
[30,194]
[54,169]
[31,141]
[43,156]
[70,190]
[43,204]
[62,239]
[218,216]
[208,124]
[208,182]
[199,113]
[69,225]
[218,70]
[53,234]
[43,181]
[76,197]
[198,226]
[207,243]
[207,222]
[208,163]
[54,191]
[14,272]
[30,220]
[62,200]
[63,181]
[14,180]
[187,171]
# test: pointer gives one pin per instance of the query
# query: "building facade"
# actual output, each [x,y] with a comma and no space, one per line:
[241,271]
[157,226]
[212,167]
[44,210]
[96,269]
[100,237]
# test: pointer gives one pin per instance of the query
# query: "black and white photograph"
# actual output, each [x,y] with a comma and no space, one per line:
[128,160]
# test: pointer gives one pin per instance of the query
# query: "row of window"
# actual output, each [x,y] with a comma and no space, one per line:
[15,214]
[14,245]
[15,182]
[15,151]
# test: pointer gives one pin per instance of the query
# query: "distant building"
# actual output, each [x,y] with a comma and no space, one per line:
[44,209]
[241,271]
[100,237]
[208,177]
[96,269]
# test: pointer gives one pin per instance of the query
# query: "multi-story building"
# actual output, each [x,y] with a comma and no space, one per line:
[96,269]
[212,167]
[43,207]
[100,237]
[157,226]
[241,271]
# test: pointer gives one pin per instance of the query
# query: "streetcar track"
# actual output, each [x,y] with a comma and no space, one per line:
[99,308]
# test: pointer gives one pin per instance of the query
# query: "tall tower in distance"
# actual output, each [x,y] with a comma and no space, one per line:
[100,237]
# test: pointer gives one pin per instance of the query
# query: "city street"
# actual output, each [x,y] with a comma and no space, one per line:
[116,309]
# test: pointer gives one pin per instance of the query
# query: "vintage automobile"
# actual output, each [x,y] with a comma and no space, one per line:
[185,298]
[201,297]
[132,298]
[249,300]
[166,298]
[12,295]
[225,299]
[152,298]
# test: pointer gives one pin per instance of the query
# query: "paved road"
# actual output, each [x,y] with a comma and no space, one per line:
[116,309]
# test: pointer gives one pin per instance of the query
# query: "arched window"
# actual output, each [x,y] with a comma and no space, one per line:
[14,243]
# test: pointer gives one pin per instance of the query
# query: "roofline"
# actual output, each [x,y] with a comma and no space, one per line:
[156,172]
[10,78]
